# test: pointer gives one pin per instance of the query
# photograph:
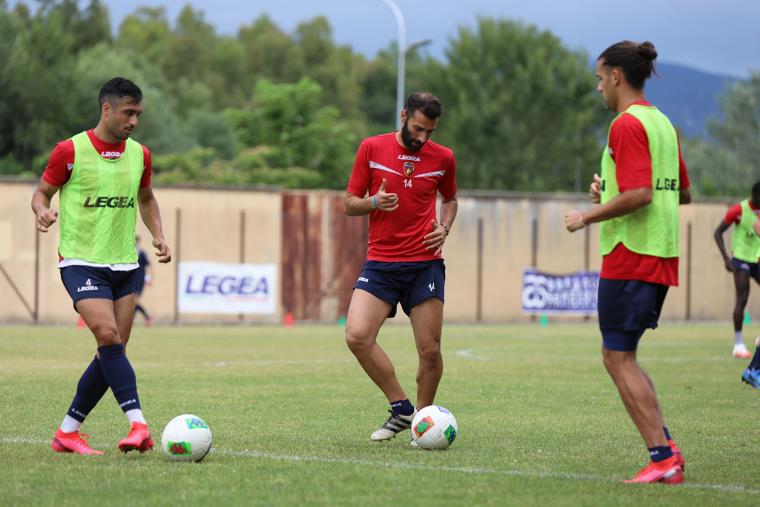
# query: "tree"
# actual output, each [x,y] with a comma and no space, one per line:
[36,75]
[298,132]
[521,111]
[729,162]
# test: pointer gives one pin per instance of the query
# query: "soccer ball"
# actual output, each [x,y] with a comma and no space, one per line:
[434,427]
[186,438]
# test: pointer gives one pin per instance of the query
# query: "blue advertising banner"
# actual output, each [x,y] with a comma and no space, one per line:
[574,293]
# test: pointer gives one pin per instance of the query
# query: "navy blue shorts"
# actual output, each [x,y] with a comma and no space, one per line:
[86,282]
[626,309]
[408,283]
[749,267]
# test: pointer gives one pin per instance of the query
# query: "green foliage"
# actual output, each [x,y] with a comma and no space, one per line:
[264,106]
[521,110]
[729,163]
[300,132]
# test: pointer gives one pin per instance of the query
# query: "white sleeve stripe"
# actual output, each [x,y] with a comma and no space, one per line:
[428,175]
[375,165]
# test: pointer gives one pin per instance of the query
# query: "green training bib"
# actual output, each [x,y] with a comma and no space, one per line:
[652,229]
[98,204]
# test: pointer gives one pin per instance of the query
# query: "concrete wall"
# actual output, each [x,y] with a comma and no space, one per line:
[210,229]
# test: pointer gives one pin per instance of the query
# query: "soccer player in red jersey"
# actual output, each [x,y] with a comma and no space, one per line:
[103,176]
[744,262]
[395,180]
[644,179]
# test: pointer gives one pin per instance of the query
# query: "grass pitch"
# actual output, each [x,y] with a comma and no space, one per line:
[291,413]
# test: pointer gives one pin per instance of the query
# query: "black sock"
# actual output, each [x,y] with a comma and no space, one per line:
[667,433]
[660,453]
[90,389]
[402,407]
[141,309]
[120,375]
[755,363]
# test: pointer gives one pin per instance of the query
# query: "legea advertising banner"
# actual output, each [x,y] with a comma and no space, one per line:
[574,293]
[217,287]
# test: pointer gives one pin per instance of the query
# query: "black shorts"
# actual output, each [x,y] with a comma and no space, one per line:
[408,283]
[87,282]
[626,309]
[750,267]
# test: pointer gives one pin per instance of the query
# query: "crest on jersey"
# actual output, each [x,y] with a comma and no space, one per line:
[408,168]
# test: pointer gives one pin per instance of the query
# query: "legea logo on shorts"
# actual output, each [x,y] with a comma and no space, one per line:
[362,279]
[88,286]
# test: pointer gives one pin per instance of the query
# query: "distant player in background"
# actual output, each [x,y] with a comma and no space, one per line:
[395,180]
[644,179]
[103,177]
[143,277]
[745,248]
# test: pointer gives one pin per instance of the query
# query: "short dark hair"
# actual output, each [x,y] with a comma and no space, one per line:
[118,88]
[756,192]
[429,104]
[634,59]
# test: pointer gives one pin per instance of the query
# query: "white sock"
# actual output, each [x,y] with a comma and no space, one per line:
[135,415]
[70,424]
[738,340]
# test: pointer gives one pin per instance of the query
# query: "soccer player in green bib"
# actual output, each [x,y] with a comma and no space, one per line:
[103,177]
[745,247]
[643,181]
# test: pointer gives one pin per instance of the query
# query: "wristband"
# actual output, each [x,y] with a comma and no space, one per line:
[374,201]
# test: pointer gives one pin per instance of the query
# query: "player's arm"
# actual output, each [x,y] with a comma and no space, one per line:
[148,274]
[434,239]
[628,140]
[718,235]
[622,204]
[684,190]
[382,200]
[151,217]
[41,205]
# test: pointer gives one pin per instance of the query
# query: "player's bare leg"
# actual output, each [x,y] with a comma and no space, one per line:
[638,395]
[108,320]
[427,323]
[98,315]
[124,311]
[741,283]
[366,313]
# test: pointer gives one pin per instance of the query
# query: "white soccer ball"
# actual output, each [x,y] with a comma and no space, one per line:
[186,438]
[434,427]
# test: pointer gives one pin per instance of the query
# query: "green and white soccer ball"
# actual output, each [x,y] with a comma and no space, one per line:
[186,438]
[434,427]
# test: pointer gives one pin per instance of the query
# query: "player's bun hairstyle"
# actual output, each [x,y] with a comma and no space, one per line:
[634,59]
[118,88]
[427,103]
[756,193]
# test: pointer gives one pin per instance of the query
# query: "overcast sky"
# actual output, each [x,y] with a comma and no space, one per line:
[721,36]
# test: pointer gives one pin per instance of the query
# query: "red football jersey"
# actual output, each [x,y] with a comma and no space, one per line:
[417,177]
[734,213]
[629,148]
[58,169]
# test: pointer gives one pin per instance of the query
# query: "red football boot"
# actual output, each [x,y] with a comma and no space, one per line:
[72,442]
[677,453]
[667,471]
[138,439]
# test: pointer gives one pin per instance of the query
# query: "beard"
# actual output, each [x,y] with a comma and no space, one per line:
[406,137]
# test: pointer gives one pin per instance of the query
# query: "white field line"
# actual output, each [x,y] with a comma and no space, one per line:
[396,465]
[470,354]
